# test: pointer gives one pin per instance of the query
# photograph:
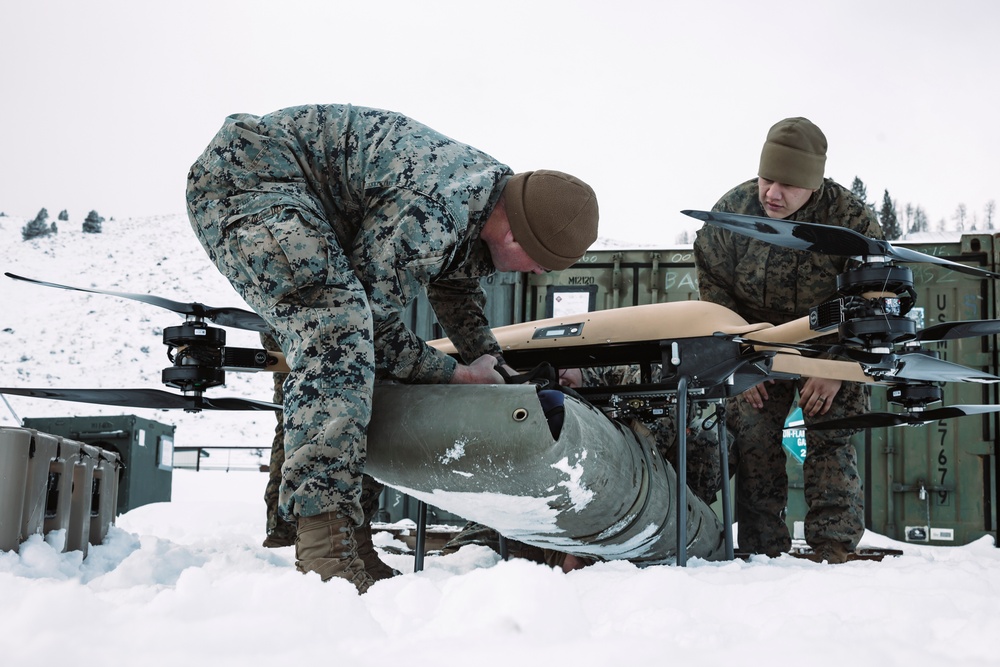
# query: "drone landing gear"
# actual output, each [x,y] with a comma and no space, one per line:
[682,490]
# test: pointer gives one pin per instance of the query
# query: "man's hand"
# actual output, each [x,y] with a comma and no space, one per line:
[481,371]
[817,395]
[756,395]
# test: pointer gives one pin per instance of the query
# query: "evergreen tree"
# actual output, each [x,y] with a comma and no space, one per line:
[63,215]
[990,209]
[859,190]
[38,227]
[92,224]
[887,217]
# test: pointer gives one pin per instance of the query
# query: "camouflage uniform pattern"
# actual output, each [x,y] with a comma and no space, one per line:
[328,220]
[704,467]
[280,532]
[766,283]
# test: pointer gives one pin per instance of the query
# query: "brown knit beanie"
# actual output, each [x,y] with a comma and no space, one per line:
[794,154]
[553,216]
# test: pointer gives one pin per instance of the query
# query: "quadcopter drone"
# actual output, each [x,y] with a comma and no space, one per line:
[705,351]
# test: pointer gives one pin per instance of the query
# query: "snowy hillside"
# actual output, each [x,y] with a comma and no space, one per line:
[52,338]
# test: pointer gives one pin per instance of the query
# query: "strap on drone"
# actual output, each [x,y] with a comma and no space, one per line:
[543,376]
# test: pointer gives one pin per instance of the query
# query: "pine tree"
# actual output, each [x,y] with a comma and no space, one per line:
[859,190]
[887,217]
[63,215]
[38,227]
[990,209]
[92,224]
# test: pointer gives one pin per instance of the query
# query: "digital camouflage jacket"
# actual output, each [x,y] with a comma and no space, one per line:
[405,203]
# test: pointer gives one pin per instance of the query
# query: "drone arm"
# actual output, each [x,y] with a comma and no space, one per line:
[276,362]
[796,331]
[247,359]
[796,364]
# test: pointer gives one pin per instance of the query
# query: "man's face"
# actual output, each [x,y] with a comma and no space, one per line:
[780,200]
[514,258]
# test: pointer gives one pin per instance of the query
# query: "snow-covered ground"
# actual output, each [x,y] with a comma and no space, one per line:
[187,582]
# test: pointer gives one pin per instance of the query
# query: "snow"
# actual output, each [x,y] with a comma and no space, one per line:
[187,582]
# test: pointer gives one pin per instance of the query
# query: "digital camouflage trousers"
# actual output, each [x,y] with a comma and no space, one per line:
[285,266]
[833,489]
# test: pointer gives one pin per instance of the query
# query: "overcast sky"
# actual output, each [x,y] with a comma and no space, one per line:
[660,105]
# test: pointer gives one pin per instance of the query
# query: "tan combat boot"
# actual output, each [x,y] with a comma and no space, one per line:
[833,553]
[366,552]
[325,544]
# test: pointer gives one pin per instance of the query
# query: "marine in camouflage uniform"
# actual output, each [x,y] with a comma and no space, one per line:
[766,283]
[328,220]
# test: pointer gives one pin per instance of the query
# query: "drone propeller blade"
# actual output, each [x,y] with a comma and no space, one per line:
[142,398]
[955,330]
[824,239]
[908,255]
[225,317]
[888,419]
[923,368]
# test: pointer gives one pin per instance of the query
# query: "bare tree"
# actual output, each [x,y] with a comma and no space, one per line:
[920,221]
[959,217]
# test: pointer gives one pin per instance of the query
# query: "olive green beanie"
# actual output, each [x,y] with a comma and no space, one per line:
[552,215]
[794,154]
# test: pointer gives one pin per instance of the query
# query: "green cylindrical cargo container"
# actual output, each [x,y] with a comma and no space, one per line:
[539,467]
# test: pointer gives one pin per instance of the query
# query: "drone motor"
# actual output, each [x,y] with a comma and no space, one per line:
[196,351]
[914,397]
